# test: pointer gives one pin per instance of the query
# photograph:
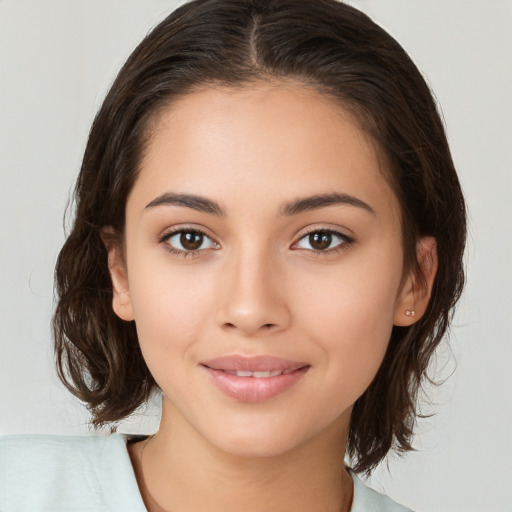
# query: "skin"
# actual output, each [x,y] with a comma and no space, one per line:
[256,286]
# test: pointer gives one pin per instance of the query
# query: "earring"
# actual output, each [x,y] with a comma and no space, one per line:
[410,312]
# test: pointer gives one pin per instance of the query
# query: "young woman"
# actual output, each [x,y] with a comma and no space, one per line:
[269,230]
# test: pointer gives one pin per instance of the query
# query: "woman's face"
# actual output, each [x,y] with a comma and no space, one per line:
[263,266]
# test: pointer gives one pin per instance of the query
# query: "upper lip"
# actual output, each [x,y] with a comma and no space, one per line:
[252,363]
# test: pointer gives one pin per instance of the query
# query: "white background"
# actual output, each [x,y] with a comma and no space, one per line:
[57,59]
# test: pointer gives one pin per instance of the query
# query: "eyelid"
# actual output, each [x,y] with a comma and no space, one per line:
[178,228]
[170,232]
[347,240]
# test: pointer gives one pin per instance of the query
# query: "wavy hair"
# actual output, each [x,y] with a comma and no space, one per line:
[343,54]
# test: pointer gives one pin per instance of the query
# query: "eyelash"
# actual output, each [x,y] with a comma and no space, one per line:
[342,246]
[164,239]
[345,244]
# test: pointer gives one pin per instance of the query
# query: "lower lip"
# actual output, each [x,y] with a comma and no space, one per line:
[253,389]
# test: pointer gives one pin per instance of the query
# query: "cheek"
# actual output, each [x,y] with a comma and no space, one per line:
[170,308]
[350,316]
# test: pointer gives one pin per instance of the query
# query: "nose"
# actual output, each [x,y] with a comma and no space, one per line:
[252,295]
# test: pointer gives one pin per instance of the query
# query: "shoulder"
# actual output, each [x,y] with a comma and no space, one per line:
[44,472]
[58,445]
[55,453]
[369,500]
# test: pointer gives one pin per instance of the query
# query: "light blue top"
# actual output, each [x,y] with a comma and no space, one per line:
[44,473]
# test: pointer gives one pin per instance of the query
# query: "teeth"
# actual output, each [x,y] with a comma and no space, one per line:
[243,374]
[258,375]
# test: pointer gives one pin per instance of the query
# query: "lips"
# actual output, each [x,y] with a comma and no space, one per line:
[254,379]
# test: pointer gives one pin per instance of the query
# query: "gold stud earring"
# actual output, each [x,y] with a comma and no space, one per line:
[410,312]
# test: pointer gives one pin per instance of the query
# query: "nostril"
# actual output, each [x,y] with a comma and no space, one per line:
[230,325]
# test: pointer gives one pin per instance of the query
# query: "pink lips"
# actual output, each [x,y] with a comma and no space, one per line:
[254,379]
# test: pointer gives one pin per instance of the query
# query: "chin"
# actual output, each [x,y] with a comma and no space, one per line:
[260,440]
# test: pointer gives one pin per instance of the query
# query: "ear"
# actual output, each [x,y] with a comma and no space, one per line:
[121,300]
[417,288]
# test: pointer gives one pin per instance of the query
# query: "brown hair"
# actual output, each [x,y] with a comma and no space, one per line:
[342,53]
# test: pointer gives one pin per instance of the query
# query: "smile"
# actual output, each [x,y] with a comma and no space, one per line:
[254,379]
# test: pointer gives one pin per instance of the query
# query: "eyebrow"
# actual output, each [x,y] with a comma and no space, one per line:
[321,201]
[293,207]
[201,204]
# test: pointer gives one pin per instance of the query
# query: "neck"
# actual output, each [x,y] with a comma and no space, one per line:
[179,471]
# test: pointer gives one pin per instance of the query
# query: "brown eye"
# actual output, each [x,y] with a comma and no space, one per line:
[320,240]
[191,241]
[188,240]
[323,241]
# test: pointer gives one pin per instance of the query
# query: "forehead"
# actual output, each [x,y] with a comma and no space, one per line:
[274,139]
